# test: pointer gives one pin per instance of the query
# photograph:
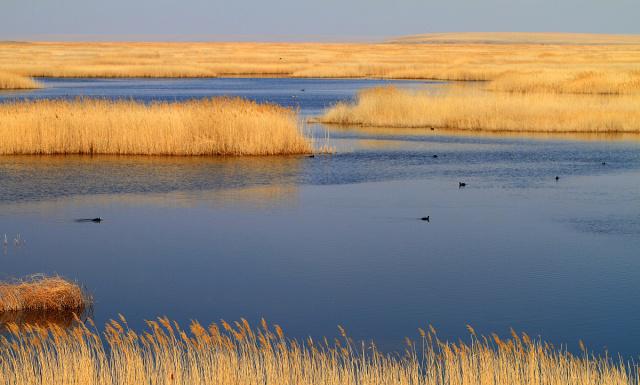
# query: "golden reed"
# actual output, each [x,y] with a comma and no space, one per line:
[234,354]
[549,59]
[10,81]
[466,108]
[217,126]
[42,293]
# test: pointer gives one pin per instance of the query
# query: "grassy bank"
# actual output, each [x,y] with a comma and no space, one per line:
[10,81]
[238,354]
[474,109]
[446,57]
[217,126]
[42,293]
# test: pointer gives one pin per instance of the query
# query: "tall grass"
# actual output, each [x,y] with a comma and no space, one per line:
[238,354]
[475,109]
[42,293]
[582,82]
[10,81]
[473,56]
[217,126]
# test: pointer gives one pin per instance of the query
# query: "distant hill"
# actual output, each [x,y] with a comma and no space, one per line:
[517,38]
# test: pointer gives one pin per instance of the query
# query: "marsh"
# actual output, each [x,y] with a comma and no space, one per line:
[310,243]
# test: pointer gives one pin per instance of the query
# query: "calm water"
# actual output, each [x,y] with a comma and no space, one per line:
[313,243]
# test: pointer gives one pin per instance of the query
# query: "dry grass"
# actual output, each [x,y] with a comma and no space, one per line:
[238,354]
[583,82]
[449,57]
[10,81]
[217,126]
[475,109]
[41,293]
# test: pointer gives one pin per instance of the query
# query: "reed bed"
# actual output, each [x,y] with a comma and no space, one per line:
[556,38]
[239,354]
[10,81]
[42,293]
[476,56]
[583,82]
[217,126]
[474,109]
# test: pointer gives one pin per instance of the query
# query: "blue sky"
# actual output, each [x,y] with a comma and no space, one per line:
[306,20]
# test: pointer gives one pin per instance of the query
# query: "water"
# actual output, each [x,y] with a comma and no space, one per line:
[311,243]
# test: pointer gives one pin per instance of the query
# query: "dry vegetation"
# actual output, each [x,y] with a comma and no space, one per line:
[231,355]
[475,109]
[582,82]
[217,126]
[561,57]
[519,38]
[42,293]
[10,81]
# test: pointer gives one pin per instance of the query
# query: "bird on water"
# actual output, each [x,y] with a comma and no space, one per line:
[94,220]
[426,219]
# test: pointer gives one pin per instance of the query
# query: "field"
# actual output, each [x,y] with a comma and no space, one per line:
[218,126]
[475,109]
[526,61]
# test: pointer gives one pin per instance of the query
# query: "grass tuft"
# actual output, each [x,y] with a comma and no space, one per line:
[42,293]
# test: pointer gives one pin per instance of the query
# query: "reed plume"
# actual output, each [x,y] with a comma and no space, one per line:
[235,353]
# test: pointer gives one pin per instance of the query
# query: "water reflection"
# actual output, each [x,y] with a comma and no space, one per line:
[365,131]
[28,178]
[42,318]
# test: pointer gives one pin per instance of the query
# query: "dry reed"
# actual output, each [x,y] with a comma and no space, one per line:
[475,109]
[10,81]
[42,293]
[447,57]
[232,354]
[217,126]
[582,82]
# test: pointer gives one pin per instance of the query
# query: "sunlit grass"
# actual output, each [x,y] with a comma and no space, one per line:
[9,81]
[227,354]
[42,293]
[584,82]
[217,126]
[474,109]
[548,58]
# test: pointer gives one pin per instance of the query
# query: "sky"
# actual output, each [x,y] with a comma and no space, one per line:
[305,20]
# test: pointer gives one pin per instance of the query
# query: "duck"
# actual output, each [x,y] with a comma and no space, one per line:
[426,219]
[461,184]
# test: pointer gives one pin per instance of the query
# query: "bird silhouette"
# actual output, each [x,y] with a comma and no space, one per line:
[426,219]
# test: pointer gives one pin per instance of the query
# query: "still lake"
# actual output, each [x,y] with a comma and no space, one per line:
[310,243]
